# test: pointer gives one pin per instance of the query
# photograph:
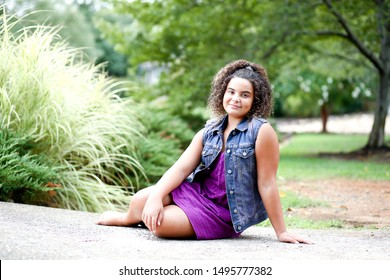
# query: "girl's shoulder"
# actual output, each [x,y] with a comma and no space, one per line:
[213,123]
[259,120]
[254,126]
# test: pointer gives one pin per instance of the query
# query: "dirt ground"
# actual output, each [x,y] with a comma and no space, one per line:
[358,203]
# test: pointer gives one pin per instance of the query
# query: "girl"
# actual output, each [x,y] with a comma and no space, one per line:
[225,181]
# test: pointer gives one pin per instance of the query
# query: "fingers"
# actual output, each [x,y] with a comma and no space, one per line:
[300,239]
[160,218]
[291,238]
[304,240]
[288,239]
[152,221]
[148,221]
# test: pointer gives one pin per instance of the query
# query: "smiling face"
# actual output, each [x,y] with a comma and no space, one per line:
[238,98]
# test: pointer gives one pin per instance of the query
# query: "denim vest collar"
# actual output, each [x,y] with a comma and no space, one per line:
[242,126]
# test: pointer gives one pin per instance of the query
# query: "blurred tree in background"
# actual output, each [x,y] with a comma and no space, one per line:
[193,39]
[188,41]
[75,19]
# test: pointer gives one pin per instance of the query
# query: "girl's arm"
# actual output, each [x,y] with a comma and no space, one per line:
[267,158]
[153,211]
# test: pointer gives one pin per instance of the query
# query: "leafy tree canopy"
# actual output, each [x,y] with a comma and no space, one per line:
[193,39]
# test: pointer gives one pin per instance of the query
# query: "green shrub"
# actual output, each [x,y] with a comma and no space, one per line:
[167,137]
[24,177]
[72,112]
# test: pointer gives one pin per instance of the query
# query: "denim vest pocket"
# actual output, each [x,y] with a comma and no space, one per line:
[209,154]
[244,159]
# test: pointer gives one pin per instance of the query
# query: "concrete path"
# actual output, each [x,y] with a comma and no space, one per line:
[352,124]
[39,233]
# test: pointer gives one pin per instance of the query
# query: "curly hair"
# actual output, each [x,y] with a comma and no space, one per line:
[256,74]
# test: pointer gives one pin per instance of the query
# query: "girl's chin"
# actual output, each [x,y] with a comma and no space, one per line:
[235,114]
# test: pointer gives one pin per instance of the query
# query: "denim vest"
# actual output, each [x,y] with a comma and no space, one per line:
[245,204]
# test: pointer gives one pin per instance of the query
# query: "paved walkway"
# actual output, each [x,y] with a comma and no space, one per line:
[352,123]
[40,233]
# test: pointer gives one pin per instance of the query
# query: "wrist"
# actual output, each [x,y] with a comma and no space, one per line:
[280,232]
[157,194]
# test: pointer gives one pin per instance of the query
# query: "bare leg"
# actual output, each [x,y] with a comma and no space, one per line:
[175,224]
[134,214]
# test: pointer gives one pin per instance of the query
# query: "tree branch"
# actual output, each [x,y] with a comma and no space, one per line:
[331,33]
[274,47]
[338,56]
[352,37]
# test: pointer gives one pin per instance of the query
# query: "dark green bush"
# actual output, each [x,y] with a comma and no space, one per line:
[165,139]
[24,177]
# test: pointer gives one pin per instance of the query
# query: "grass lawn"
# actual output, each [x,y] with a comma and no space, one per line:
[300,160]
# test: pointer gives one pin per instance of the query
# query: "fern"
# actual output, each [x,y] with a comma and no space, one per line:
[72,112]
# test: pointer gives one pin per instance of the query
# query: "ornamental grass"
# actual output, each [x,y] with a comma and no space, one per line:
[71,112]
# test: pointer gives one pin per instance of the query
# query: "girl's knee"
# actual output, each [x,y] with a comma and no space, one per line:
[138,201]
[140,197]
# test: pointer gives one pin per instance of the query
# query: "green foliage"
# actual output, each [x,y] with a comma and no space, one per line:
[113,56]
[167,137]
[321,53]
[24,177]
[192,40]
[304,96]
[76,25]
[72,22]
[72,112]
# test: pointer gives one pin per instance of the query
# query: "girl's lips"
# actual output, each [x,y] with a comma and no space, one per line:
[234,106]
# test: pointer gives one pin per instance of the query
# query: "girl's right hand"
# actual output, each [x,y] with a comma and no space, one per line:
[153,212]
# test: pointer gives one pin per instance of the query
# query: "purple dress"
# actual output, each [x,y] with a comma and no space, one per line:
[205,204]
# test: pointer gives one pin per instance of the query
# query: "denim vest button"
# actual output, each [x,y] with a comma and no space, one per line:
[239,227]
[229,171]
[235,211]
[234,133]
[228,151]
[231,192]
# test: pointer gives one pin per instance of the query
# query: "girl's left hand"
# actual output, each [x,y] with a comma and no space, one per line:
[292,238]
[153,212]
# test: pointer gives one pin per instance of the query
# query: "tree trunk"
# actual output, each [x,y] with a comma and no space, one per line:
[382,64]
[324,117]
[377,135]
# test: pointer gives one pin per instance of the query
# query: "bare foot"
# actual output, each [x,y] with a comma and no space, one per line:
[112,218]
